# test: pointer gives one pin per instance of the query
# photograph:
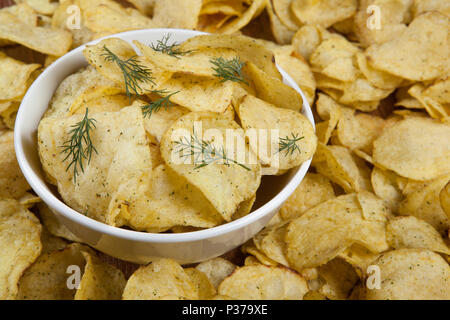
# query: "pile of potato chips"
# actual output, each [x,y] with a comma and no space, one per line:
[369,221]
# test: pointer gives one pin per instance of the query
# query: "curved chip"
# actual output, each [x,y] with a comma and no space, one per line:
[216,270]
[323,12]
[264,283]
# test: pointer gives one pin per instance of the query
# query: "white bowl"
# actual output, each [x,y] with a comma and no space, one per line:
[133,246]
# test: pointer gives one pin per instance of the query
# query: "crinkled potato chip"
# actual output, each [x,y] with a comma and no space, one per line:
[264,283]
[160,278]
[216,270]
[424,203]
[326,230]
[15,75]
[410,274]
[427,37]
[46,40]
[176,13]
[256,114]
[109,182]
[415,156]
[410,232]
[313,190]
[233,182]
[323,12]
[20,240]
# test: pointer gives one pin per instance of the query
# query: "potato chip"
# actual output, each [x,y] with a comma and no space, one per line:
[376,78]
[343,168]
[100,281]
[385,186]
[234,182]
[282,9]
[171,201]
[47,278]
[300,72]
[434,99]
[270,241]
[264,283]
[410,232]
[358,131]
[204,287]
[326,230]
[248,49]
[273,90]
[53,225]
[111,18]
[20,233]
[323,12]
[281,33]
[216,270]
[51,243]
[313,190]
[411,274]
[14,82]
[228,8]
[338,278]
[416,156]
[379,21]
[250,248]
[444,197]
[251,261]
[160,278]
[424,203]
[256,114]
[427,37]
[41,6]
[12,182]
[176,14]
[329,111]
[256,7]
[359,257]
[420,6]
[308,38]
[110,181]
[46,40]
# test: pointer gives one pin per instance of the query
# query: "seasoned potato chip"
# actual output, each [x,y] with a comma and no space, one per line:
[313,190]
[264,283]
[326,230]
[248,49]
[427,37]
[338,278]
[379,21]
[282,9]
[160,278]
[216,270]
[359,257]
[435,99]
[12,182]
[270,241]
[20,234]
[343,168]
[329,111]
[110,181]
[234,181]
[308,38]
[47,278]
[385,186]
[376,78]
[260,115]
[416,156]
[424,203]
[256,7]
[358,131]
[411,274]
[176,13]
[281,33]
[41,6]
[15,75]
[51,243]
[100,281]
[273,90]
[323,12]
[410,232]
[46,40]
[204,287]
[250,248]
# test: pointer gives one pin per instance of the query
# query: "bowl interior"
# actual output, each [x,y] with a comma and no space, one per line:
[273,192]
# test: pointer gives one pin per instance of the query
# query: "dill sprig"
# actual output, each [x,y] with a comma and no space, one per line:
[155,106]
[204,152]
[169,49]
[289,145]
[229,69]
[79,147]
[133,73]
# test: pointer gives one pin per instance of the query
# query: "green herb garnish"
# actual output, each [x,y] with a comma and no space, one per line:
[204,152]
[79,147]
[289,145]
[229,70]
[169,49]
[155,106]
[133,73]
